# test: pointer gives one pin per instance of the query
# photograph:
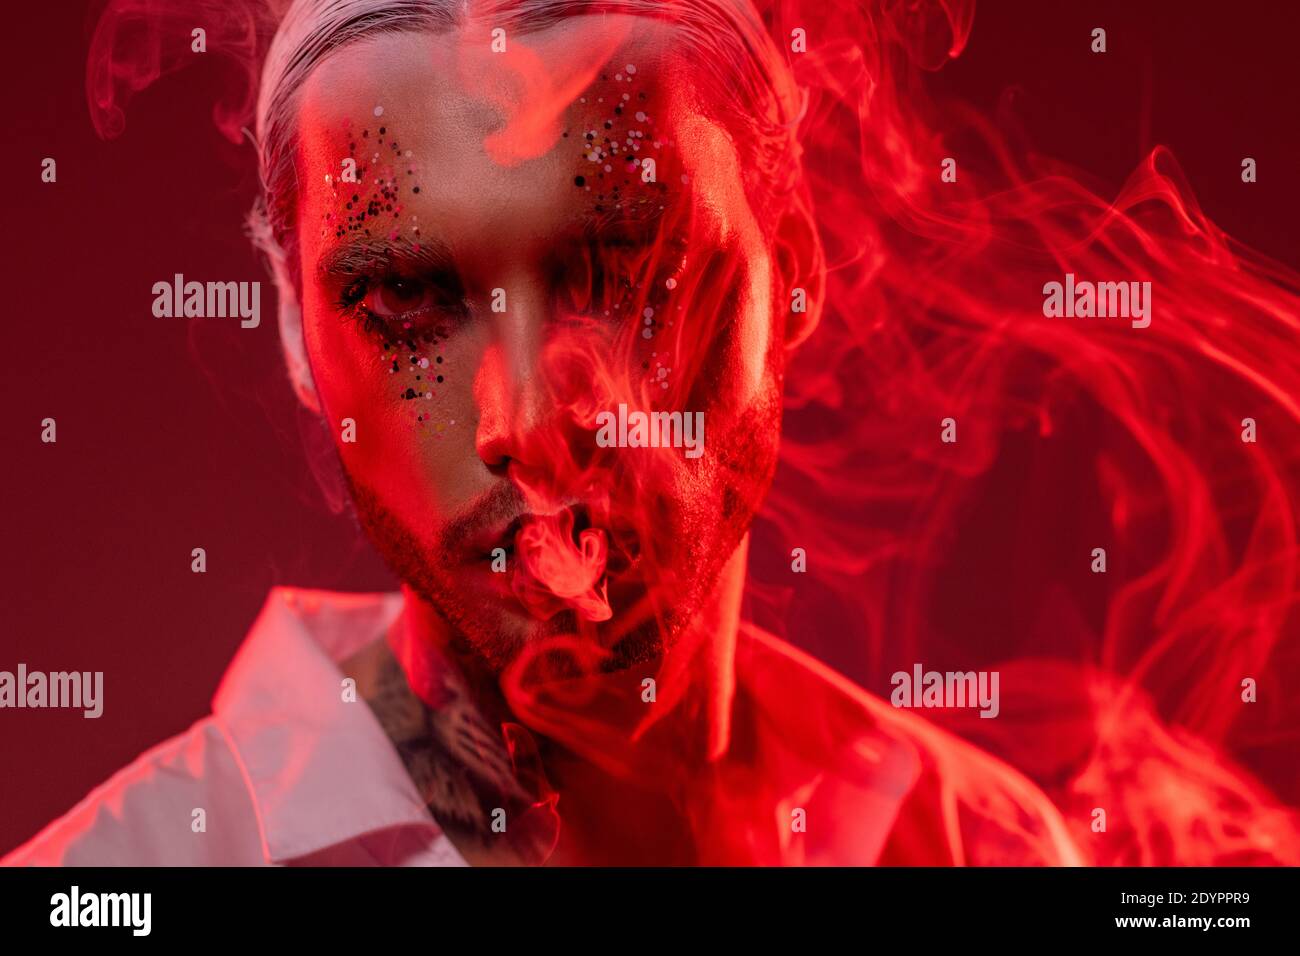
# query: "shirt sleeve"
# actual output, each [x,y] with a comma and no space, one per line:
[182,803]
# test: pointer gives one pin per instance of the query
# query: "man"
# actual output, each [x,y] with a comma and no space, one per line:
[489,244]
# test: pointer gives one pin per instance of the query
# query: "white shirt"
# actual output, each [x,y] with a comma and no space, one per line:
[285,771]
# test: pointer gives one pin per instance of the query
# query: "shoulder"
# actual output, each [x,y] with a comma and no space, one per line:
[955,804]
[147,813]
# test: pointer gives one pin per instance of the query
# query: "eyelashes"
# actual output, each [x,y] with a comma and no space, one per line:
[606,276]
[385,303]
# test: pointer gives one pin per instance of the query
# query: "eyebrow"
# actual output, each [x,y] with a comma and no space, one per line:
[364,256]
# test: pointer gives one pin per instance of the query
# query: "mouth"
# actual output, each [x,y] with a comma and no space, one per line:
[566,558]
[504,537]
[624,549]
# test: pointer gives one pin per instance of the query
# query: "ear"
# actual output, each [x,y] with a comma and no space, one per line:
[799,263]
[294,345]
[288,311]
[292,341]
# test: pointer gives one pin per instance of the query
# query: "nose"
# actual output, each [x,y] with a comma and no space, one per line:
[511,393]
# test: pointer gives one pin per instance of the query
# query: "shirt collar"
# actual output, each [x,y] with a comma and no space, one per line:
[319,768]
[832,749]
[321,771]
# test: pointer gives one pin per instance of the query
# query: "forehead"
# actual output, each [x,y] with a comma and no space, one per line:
[555,128]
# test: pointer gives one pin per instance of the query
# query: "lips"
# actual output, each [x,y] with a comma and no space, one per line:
[559,560]
[504,535]
[560,566]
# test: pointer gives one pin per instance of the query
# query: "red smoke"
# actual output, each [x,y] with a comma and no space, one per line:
[1120,691]
[554,572]
[1124,691]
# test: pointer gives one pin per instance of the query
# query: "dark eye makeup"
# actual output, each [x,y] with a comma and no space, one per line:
[601,276]
[592,279]
[387,302]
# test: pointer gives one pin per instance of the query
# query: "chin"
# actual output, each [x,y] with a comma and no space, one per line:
[501,639]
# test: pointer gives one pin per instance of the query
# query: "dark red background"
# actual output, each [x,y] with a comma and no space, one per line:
[177,434]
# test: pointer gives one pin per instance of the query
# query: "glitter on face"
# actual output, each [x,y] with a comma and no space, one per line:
[373,206]
[611,170]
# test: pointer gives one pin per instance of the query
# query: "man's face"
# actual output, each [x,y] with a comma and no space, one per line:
[508,266]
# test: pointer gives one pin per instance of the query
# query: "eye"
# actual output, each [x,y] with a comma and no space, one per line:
[608,275]
[398,296]
[382,303]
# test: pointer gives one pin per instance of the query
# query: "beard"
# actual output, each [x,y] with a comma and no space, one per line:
[694,528]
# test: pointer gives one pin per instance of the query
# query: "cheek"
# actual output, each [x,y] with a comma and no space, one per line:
[409,397]
[749,362]
[739,390]
[735,360]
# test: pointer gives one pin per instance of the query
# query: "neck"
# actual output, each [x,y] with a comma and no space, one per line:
[612,751]
[696,676]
